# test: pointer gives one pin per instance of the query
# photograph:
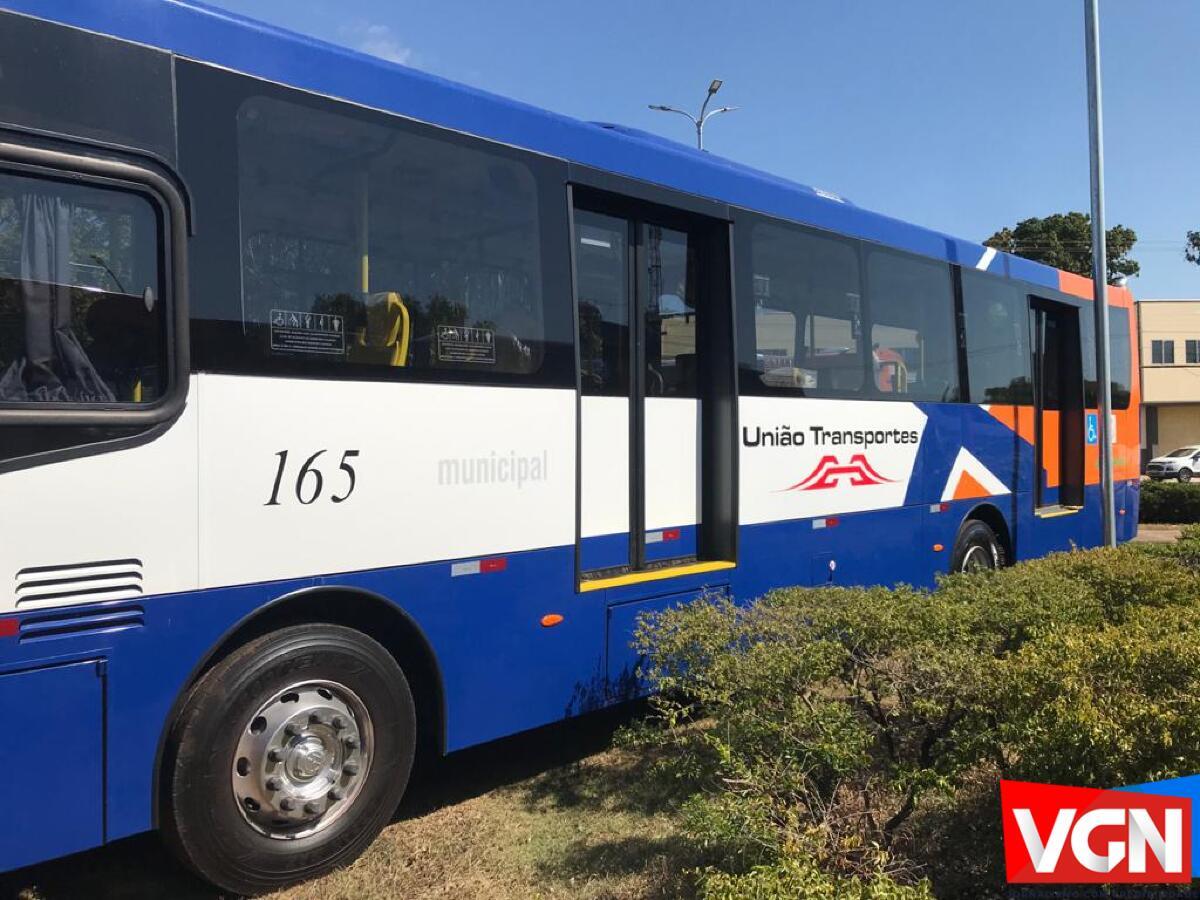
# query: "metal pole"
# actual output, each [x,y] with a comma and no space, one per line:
[1100,271]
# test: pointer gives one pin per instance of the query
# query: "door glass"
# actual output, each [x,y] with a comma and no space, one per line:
[603,279]
[602,276]
[671,411]
[670,310]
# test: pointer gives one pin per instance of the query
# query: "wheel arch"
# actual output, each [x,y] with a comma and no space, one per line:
[991,516]
[365,611]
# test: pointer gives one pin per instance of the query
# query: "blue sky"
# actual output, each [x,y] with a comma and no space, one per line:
[962,115]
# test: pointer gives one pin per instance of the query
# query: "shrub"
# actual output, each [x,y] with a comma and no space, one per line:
[1170,502]
[817,723]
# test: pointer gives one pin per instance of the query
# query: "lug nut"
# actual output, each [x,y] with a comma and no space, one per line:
[314,719]
[312,807]
[273,784]
[336,794]
[274,755]
[286,804]
[351,741]
[338,723]
[350,768]
[291,729]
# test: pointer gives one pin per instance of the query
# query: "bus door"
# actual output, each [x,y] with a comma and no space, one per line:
[656,389]
[1058,408]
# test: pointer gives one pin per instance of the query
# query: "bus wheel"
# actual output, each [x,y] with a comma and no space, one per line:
[976,548]
[288,758]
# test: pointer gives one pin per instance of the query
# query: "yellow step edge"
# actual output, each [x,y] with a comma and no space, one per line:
[597,584]
[1055,512]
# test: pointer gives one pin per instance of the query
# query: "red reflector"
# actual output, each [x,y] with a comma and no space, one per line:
[495,564]
[945,506]
[9,627]
[831,522]
[670,534]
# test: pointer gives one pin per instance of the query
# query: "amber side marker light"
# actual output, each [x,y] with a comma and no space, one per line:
[938,548]
[549,621]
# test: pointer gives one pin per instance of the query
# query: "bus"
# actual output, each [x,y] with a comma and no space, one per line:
[346,411]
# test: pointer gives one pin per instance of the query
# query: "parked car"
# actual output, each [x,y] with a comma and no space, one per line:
[1181,464]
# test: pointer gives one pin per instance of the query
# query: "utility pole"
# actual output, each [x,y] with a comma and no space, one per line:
[1100,271]
[698,121]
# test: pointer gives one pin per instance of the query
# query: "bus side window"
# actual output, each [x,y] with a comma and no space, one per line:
[913,346]
[996,321]
[79,274]
[807,319]
[367,244]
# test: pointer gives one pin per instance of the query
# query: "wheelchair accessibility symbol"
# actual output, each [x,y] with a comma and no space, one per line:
[1093,429]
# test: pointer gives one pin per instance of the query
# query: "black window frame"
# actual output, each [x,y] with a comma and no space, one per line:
[52,161]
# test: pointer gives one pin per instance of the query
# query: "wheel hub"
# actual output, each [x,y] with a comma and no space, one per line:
[302,758]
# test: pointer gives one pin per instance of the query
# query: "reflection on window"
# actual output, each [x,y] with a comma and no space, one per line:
[364,244]
[80,320]
[807,317]
[669,288]
[1120,359]
[996,317]
[913,347]
[602,278]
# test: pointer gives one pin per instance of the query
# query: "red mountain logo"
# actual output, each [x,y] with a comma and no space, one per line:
[830,473]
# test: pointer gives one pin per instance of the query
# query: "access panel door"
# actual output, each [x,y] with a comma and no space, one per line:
[651,423]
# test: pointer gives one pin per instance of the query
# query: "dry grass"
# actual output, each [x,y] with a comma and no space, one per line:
[553,814]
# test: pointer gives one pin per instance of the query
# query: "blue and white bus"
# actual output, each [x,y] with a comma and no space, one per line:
[345,410]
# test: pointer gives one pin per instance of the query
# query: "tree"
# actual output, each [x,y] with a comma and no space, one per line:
[1192,248]
[1065,242]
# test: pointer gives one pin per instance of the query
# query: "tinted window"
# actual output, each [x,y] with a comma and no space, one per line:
[1119,359]
[805,333]
[996,322]
[367,246]
[80,314]
[669,288]
[602,282]
[1162,352]
[1193,352]
[913,346]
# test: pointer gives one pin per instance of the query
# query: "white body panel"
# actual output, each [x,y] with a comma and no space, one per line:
[672,462]
[604,461]
[798,479]
[137,503]
[442,472]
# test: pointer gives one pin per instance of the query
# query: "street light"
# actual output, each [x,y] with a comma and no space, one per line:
[705,112]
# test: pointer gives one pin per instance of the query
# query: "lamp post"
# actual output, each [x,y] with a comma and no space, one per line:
[1100,271]
[705,112]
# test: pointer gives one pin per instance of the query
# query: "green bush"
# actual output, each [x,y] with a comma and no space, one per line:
[823,728]
[1169,502]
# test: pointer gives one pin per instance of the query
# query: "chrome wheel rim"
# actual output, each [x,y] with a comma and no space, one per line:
[302,759]
[976,559]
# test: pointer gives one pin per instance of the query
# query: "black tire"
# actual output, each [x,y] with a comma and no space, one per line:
[203,820]
[976,548]
[1184,476]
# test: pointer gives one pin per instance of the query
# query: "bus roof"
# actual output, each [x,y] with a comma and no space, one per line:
[197,31]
